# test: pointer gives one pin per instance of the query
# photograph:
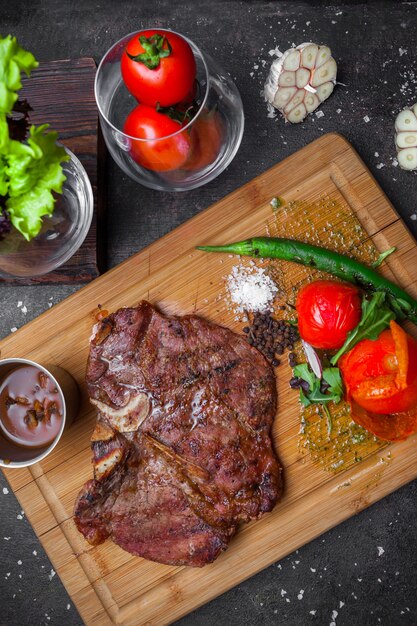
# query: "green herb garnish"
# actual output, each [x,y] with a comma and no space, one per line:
[376,316]
[317,392]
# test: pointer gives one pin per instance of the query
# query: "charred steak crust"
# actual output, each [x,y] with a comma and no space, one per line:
[181,450]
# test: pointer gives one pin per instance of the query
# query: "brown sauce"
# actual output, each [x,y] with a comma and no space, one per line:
[30,407]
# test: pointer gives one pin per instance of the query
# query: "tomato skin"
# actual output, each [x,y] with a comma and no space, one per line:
[162,155]
[207,133]
[381,375]
[327,311]
[169,83]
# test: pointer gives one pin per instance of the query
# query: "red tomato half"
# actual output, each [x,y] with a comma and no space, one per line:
[381,375]
[381,381]
[166,72]
[327,311]
[161,155]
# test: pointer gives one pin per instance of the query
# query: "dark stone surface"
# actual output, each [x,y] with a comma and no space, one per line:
[375,46]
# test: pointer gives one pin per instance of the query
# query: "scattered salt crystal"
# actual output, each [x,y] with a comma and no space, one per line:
[68,607]
[380,550]
[366,119]
[13,330]
[341,604]
[338,111]
[24,310]
[251,289]
[376,154]
[19,562]
[6,538]
[379,580]
[380,166]
[334,22]
[313,612]
[300,595]
[413,217]
[52,574]
[402,51]
[276,52]
[287,600]
[283,593]
[319,114]
[394,162]
[35,553]
[19,304]
[19,516]
[5,491]
[313,570]
[308,23]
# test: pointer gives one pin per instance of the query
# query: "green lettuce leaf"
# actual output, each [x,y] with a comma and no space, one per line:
[13,60]
[34,171]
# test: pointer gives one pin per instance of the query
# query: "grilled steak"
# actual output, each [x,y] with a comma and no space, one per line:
[181,449]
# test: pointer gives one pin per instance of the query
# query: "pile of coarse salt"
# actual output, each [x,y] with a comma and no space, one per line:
[250,289]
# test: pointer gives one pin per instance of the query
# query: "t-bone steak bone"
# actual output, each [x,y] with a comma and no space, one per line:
[181,449]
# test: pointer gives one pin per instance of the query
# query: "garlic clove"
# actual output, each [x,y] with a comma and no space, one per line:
[407,158]
[311,102]
[292,60]
[309,55]
[323,56]
[324,73]
[324,91]
[295,101]
[283,96]
[406,121]
[298,114]
[302,76]
[406,140]
[287,79]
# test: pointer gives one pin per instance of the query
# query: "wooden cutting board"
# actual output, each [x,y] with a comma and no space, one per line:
[109,585]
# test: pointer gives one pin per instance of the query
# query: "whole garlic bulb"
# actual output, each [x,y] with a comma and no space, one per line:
[406,138]
[300,80]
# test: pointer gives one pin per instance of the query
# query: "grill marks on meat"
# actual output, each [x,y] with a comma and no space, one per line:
[181,450]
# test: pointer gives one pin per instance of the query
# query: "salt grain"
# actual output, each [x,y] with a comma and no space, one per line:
[319,114]
[13,330]
[380,550]
[380,166]
[300,595]
[5,491]
[52,574]
[366,119]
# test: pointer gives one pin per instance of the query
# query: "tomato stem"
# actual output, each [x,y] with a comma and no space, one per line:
[156,47]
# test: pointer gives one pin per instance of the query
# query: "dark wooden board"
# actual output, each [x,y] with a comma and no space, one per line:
[61,94]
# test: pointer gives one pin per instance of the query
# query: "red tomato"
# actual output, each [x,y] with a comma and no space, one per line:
[381,376]
[165,71]
[161,155]
[206,136]
[327,311]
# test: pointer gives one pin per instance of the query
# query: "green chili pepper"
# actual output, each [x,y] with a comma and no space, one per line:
[324,260]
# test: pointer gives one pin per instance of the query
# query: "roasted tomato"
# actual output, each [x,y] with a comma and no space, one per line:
[166,149]
[327,311]
[158,67]
[381,382]
[207,133]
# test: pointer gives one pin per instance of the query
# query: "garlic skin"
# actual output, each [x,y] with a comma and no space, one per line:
[300,80]
[406,138]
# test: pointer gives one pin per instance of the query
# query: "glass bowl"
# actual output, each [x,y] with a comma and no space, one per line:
[218,97]
[62,233]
